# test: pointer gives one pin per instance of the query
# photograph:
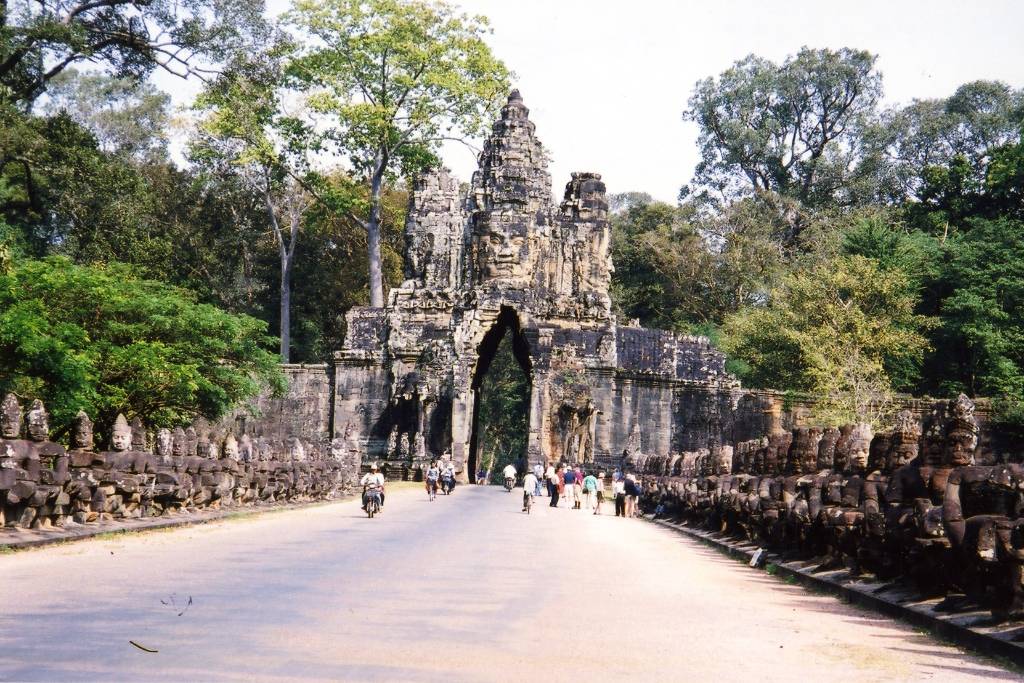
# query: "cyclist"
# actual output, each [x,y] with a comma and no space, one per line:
[530,485]
[510,474]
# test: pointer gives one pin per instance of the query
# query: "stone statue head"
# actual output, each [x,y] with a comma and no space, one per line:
[121,436]
[297,452]
[827,449]
[878,452]
[245,447]
[775,455]
[164,442]
[138,434]
[179,446]
[961,434]
[906,433]
[38,422]
[841,455]
[933,435]
[231,448]
[81,432]
[191,441]
[10,417]
[803,453]
[860,447]
[725,454]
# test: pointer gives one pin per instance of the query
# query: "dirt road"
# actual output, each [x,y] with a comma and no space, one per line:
[465,588]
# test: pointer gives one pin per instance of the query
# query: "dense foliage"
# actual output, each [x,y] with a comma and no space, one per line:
[99,339]
[503,425]
[817,222]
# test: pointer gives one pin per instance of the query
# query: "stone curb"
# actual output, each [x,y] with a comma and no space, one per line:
[973,629]
[38,538]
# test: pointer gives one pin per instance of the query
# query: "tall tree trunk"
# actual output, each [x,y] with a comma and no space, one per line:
[286,307]
[373,235]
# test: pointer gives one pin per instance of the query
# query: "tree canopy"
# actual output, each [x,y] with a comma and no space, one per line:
[99,339]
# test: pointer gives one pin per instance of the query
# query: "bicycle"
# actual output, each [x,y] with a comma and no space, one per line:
[527,502]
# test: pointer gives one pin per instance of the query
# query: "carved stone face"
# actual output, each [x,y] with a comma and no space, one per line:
[960,446]
[878,452]
[725,460]
[191,441]
[827,449]
[503,249]
[297,452]
[10,417]
[81,432]
[38,422]
[121,437]
[245,447]
[860,448]
[164,442]
[231,448]
[180,443]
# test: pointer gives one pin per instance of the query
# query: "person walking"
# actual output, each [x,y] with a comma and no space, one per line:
[549,478]
[600,492]
[555,484]
[619,493]
[569,487]
[632,490]
[577,487]
[538,474]
[590,487]
[432,477]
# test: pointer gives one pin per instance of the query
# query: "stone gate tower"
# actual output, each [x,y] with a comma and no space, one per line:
[507,258]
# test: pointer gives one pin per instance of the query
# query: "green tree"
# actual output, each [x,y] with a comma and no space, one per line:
[909,143]
[250,134]
[100,339]
[395,78]
[38,41]
[128,119]
[979,346]
[834,330]
[792,128]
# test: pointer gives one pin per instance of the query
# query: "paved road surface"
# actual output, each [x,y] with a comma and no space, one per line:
[462,589]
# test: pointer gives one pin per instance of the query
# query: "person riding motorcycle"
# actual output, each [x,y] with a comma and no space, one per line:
[510,476]
[448,477]
[373,485]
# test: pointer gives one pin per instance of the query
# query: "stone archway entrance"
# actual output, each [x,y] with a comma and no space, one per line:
[506,258]
[505,328]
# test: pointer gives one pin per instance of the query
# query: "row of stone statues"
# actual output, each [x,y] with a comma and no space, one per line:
[908,504]
[44,484]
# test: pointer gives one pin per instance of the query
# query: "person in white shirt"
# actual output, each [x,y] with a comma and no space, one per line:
[619,493]
[538,474]
[530,484]
[510,473]
[372,481]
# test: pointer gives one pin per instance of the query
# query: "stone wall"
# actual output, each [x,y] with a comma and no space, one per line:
[304,411]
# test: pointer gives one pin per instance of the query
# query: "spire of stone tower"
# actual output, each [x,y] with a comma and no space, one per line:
[510,201]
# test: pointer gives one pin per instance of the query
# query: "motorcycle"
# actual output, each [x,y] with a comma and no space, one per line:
[447,483]
[372,503]
[510,483]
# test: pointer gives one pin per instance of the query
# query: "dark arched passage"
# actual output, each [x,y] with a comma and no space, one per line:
[488,349]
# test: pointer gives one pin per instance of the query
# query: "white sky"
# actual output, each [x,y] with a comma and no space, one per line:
[606,81]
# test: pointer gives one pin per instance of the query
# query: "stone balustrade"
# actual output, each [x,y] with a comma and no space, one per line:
[907,505]
[45,484]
